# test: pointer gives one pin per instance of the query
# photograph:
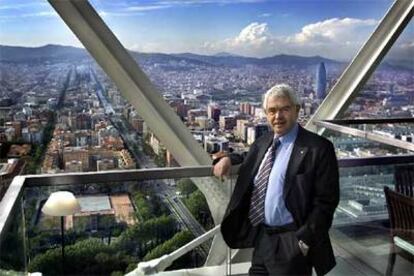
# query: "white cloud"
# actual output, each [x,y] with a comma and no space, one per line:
[254,34]
[253,40]
[334,30]
[407,45]
[403,50]
[333,38]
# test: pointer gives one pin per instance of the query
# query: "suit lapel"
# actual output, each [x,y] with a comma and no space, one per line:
[298,154]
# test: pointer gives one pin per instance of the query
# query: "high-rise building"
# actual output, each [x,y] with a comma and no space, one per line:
[245,108]
[214,112]
[254,132]
[321,81]
[241,128]
[227,122]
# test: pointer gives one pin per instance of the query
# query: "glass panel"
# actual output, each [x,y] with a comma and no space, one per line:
[361,226]
[231,52]
[388,92]
[118,226]
[14,244]
[54,110]
[349,146]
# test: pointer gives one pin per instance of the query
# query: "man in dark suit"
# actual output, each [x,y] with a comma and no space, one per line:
[285,195]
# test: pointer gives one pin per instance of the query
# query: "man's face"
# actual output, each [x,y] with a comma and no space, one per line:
[281,114]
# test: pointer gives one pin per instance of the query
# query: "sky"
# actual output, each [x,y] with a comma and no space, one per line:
[258,28]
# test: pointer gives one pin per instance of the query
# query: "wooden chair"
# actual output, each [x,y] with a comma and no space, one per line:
[404,180]
[401,214]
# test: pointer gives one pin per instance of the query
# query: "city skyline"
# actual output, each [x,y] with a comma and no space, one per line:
[244,27]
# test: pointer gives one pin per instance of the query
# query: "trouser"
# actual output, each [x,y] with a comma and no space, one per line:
[277,252]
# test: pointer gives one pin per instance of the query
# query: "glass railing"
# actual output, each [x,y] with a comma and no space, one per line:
[125,218]
[131,217]
[361,227]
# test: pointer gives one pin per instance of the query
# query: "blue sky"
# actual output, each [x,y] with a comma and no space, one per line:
[330,28]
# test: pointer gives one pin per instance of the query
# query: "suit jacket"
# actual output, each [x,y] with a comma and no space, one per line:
[311,194]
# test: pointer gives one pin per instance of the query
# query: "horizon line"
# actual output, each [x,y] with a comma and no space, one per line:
[182,53]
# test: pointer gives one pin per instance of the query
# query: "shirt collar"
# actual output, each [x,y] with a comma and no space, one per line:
[290,136]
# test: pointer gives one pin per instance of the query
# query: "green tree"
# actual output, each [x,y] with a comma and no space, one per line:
[178,240]
[138,239]
[197,205]
[143,206]
[186,186]
[88,257]
[158,207]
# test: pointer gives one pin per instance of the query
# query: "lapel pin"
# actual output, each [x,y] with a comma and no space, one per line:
[301,152]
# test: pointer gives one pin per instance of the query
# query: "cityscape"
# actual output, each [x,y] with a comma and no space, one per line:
[60,113]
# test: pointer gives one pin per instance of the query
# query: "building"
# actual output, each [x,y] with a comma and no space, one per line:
[213,112]
[17,151]
[52,103]
[105,165]
[33,135]
[125,160]
[245,108]
[203,122]
[227,122]
[73,166]
[213,144]
[17,126]
[321,81]
[83,121]
[137,123]
[254,132]
[76,154]
[193,113]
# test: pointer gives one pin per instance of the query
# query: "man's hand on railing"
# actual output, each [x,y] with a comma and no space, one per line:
[222,167]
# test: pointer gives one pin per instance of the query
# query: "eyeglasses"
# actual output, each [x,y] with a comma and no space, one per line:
[274,110]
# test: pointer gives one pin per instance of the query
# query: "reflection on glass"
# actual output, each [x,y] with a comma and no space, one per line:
[117,226]
[388,92]
[361,223]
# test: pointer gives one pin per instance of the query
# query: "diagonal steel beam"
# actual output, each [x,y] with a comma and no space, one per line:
[114,59]
[363,65]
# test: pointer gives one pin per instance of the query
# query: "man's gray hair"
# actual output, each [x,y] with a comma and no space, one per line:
[281,90]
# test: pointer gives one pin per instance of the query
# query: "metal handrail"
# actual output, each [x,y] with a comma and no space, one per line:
[371,121]
[367,135]
[161,263]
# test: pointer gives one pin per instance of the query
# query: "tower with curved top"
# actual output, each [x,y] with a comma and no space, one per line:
[321,81]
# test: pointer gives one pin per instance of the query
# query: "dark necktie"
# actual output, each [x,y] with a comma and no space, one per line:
[256,211]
